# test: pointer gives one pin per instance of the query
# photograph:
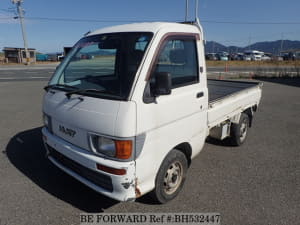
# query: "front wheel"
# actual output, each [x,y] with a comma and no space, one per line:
[239,131]
[171,177]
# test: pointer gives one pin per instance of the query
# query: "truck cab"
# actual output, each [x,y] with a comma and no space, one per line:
[128,109]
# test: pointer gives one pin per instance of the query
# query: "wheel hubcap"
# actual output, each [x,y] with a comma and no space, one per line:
[173,178]
[243,130]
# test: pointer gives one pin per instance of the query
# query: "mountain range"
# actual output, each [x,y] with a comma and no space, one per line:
[274,47]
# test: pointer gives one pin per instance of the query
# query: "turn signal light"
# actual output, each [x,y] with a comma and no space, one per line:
[123,149]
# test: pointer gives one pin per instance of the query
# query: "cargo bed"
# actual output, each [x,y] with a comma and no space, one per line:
[228,98]
[219,89]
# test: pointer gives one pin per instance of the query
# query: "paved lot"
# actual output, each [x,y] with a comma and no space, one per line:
[38,72]
[257,183]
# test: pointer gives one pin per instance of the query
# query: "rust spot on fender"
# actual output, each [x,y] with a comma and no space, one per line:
[137,190]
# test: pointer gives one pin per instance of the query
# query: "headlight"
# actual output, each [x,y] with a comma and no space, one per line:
[120,149]
[47,122]
[103,145]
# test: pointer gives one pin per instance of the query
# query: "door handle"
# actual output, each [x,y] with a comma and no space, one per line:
[200,94]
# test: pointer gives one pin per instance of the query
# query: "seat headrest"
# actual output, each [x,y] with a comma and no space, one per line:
[177,56]
[136,56]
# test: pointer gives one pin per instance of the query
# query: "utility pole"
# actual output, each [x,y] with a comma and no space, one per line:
[249,42]
[21,17]
[281,45]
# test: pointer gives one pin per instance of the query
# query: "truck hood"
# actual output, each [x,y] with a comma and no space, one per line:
[88,115]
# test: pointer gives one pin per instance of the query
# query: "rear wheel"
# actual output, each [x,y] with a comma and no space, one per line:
[171,177]
[239,131]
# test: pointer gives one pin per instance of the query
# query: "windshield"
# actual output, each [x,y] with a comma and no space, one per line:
[106,62]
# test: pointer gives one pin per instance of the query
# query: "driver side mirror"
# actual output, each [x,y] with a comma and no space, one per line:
[162,84]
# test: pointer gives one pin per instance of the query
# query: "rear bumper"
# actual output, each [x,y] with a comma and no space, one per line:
[81,165]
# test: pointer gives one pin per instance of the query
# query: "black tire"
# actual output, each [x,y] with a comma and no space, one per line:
[170,178]
[239,131]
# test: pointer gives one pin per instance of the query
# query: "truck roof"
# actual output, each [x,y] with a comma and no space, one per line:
[147,27]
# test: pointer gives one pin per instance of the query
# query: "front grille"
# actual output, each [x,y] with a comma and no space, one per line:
[98,179]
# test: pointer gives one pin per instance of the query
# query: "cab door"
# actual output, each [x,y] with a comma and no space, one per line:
[179,117]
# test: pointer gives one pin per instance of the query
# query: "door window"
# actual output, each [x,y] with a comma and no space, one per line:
[178,56]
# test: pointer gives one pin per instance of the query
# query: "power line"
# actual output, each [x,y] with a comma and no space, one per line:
[86,20]
[251,23]
[153,20]
[205,21]
[6,18]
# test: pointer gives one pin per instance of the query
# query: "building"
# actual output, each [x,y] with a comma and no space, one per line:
[17,55]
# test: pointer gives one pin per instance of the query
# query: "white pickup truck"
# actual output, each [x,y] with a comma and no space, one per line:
[130,107]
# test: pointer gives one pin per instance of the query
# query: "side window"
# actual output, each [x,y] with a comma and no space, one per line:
[178,57]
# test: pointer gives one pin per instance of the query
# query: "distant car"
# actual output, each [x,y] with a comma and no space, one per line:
[231,56]
[265,58]
[237,56]
[211,56]
[277,58]
[289,56]
[223,56]
[253,55]
[247,57]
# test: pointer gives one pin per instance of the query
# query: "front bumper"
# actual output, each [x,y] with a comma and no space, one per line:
[81,164]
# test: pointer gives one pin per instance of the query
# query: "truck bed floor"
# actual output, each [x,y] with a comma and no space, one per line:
[219,89]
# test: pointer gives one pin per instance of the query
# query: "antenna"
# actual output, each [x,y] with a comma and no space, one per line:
[196,10]
[196,22]
[186,10]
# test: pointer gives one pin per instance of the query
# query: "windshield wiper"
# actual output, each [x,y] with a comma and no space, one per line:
[83,91]
[46,88]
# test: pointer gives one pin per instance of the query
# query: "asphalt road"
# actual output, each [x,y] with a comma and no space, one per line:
[27,73]
[257,183]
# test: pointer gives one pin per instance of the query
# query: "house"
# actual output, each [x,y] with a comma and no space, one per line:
[17,55]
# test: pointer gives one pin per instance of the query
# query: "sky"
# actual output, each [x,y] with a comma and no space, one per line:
[229,22]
